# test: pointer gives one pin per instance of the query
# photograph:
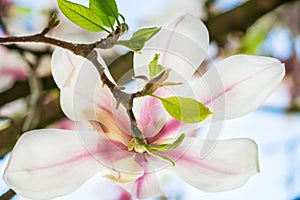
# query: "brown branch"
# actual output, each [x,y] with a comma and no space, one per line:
[8,195]
[78,49]
[240,18]
[38,53]
[21,89]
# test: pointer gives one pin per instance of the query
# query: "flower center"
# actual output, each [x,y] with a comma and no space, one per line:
[140,145]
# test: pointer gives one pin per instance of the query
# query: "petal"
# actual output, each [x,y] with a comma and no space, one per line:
[182,45]
[120,163]
[147,185]
[99,109]
[150,114]
[239,84]
[113,154]
[85,98]
[64,63]
[49,163]
[12,68]
[228,165]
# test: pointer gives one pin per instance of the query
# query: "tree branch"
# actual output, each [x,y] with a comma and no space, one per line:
[84,49]
[21,89]
[240,18]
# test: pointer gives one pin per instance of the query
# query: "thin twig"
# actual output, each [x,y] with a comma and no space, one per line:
[35,100]
[8,195]
[77,48]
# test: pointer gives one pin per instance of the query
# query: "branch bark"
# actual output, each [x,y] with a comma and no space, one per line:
[240,18]
[21,89]
[84,49]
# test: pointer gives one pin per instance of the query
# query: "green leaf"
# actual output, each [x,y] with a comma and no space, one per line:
[81,15]
[106,7]
[154,67]
[139,38]
[107,10]
[256,35]
[187,110]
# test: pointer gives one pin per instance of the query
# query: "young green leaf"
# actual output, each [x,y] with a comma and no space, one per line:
[107,7]
[187,110]
[154,67]
[81,15]
[139,38]
[107,10]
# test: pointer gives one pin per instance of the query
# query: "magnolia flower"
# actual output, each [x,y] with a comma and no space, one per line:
[12,68]
[51,162]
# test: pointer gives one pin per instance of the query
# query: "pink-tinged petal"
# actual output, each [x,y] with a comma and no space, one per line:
[65,124]
[48,163]
[171,129]
[147,185]
[182,45]
[150,114]
[239,84]
[228,165]
[113,154]
[86,99]
[12,68]
[100,110]
[124,195]
[13,72]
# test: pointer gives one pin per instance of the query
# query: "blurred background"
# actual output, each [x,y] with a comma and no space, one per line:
[269,27]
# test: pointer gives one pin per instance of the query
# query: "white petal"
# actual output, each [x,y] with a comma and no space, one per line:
[12,68]
[64,63]
[182,45]
[150,114]
[49,163]
[227,166]
[239,84]
[85,99]
[147,185]
[99,108]
[113,154]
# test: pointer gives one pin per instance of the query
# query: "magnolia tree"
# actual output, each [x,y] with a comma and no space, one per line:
[129,129]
